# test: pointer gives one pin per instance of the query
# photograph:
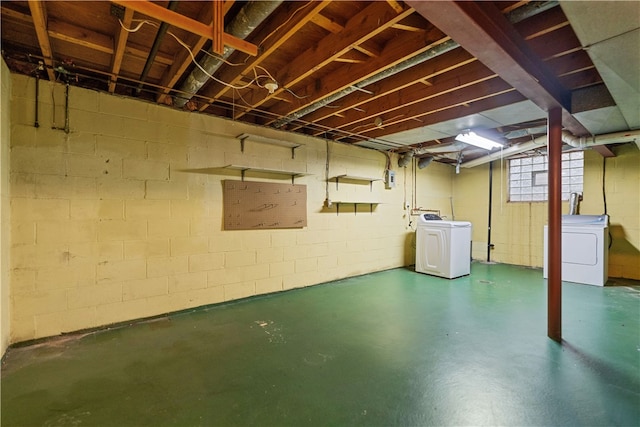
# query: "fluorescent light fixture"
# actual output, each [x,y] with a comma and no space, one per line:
[477,140]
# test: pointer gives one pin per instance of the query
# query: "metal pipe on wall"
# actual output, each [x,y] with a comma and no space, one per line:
[173,4]
[489,245]
[36,124]
[554,261]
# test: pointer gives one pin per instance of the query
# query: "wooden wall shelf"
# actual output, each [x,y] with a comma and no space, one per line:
[264,140]
[244,169]
[355,179]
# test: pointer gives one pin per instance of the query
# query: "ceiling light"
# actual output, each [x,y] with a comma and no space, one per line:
[424,162]
[477,140]
[271,86]
[404,159]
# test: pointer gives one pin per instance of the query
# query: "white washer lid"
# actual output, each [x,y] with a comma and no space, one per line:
[444,224]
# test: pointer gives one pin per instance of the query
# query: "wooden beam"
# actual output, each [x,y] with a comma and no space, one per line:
[603,150]
[217,27]
[395,5]
[397,50]
[475,91]
[191,25]
[447,112]
[474,78]
[121,43]
[39,15]
[369,48]
[439,66]
[481,29]
[233,76]
[79,36]
[58,30]
[365,25]
[183,59]
[554,230]
[326,23]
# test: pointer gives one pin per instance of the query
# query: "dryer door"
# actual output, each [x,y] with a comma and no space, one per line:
[580,248]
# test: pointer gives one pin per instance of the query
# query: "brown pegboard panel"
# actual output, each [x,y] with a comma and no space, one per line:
[250,205]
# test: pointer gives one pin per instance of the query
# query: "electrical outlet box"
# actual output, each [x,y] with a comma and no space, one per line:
[390,179]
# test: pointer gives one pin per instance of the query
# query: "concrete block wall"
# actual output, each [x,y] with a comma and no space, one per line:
[471,202]
[517,228]
[622,190]
[5,203]
[121,218]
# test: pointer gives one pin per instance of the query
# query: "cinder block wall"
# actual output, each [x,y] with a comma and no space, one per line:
[5,210]
[622,190]
[121,218]
[517,228]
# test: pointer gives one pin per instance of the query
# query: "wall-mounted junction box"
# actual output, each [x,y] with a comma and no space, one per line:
[390,179]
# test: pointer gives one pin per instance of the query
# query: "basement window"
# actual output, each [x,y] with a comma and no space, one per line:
[529,177]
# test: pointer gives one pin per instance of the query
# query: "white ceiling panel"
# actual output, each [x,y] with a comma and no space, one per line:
[473,121]
[415,136]
[621,73]
[610,34]
[602,120]
[519,112]
[595,21]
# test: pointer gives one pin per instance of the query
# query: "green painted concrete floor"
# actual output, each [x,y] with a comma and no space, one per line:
[390,348]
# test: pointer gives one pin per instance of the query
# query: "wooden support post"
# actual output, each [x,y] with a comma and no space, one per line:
[554,254]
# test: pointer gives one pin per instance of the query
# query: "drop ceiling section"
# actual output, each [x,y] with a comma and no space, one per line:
[611,37]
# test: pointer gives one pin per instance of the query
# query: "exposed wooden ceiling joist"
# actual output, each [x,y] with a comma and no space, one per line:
[39,14]
[484,32]
[121,43]
[365,25]
[346,70]
[271,46]
[158,12]
[183,57]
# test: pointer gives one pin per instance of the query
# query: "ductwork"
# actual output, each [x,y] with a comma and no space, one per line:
[442,148]
[582,143]
[516,15]
[162,31]
[511,151]
[611,138]
[438,50]
[250,16]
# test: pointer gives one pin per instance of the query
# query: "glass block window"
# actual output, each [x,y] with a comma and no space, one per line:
[529,177]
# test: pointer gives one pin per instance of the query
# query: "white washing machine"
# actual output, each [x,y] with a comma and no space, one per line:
[585,249]
[443,248]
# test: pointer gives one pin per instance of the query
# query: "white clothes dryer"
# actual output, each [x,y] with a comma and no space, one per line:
[443,248]
[585,249]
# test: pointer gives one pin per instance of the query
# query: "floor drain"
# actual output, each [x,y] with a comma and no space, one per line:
[486,282]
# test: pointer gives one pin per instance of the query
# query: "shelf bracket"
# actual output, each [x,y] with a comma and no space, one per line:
[242,143]
[242,174]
